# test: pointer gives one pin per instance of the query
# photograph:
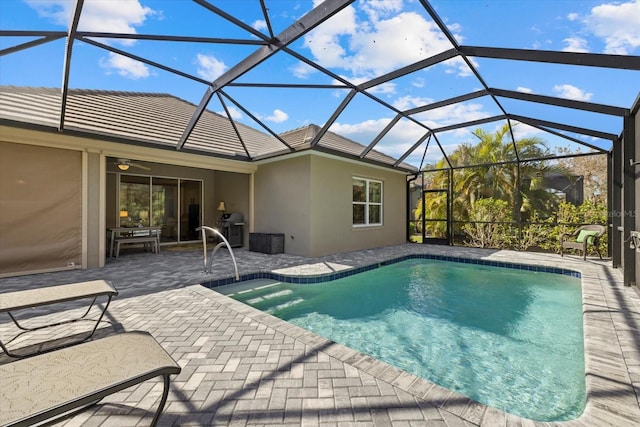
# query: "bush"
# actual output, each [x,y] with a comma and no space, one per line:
[490,224]
[567,219]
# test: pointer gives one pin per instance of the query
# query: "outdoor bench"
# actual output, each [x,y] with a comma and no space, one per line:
[151,240]
[11,302]
[65,381]
[145,235]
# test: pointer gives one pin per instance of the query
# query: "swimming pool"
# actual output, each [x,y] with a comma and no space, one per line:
[508,338]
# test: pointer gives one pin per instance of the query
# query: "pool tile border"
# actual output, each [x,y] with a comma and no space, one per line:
[328,277]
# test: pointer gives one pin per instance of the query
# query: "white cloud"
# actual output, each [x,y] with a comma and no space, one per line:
[408,102]
[618,24]
[260,25]
[57,11]
[362,132]
[401,40]
[450,114]
[383,88]
[522,131]
[116,16]
[302,70]
[124,66]
[404,134]
[524,89]
[278,116]
[209,67]
[575,44]
[376,9]
[235,113]
[573,16]
[571,92]
[384,43]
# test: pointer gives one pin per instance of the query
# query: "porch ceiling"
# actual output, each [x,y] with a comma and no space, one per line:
[400,84]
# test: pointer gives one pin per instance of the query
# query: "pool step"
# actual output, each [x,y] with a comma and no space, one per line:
[268,300]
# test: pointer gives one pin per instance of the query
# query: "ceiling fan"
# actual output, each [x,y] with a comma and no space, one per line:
[125,164]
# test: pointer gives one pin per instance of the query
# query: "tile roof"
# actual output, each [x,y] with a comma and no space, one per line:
[159,119]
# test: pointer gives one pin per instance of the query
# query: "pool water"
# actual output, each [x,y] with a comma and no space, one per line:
[511,339]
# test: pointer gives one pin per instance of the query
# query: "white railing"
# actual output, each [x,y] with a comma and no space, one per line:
[209,261]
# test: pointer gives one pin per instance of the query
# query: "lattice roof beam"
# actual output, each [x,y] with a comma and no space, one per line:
[624,62]
[71,36]
[445,30]
[255,119]
[145,61]
[381,135]
[450,101]
[436,59]
[265,13]
[470,123]
[333,117]
[308,22]
[562,102]
[162,37]
[568,128]
[413,148]
[32,43]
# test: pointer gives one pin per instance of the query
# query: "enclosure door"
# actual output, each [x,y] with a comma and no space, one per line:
[435,222]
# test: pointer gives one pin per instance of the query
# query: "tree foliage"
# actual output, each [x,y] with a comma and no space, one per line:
[593,170]
[497,177]
[505,205]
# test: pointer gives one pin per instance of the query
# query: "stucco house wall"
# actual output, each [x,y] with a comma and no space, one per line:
[309,199]
[283,202]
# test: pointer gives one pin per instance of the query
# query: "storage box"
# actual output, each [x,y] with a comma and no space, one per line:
[266,243]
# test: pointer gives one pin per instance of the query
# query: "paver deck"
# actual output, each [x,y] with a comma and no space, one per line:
[244,367]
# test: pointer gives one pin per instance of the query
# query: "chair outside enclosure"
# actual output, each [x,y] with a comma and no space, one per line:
[582,238]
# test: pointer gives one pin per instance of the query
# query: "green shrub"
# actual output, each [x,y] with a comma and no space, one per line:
[490,224]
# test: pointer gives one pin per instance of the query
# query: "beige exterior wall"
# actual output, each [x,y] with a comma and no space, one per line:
[93,209]
[232,189]
[283,202]
[309,199]
[332,227]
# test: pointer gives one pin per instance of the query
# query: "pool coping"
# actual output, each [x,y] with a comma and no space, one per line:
[611,399]
[328,277]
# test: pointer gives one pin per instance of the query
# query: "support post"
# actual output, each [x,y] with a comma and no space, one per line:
[631,153]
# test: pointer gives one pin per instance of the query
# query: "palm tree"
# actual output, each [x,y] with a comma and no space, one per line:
[496,175]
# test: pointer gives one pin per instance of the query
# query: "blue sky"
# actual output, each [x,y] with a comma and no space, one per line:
[365,40]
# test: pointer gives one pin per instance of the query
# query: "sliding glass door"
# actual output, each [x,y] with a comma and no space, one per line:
[165,208]
[134,201]
[171,203]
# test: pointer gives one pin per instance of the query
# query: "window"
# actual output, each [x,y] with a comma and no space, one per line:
[367,202]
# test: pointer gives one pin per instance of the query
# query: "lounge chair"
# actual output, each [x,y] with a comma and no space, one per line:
[581,239]
[59,383]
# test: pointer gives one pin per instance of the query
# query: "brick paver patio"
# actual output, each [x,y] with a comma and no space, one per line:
[244,367]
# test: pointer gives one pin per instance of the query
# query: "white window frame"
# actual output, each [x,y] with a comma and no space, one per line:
[368,203]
